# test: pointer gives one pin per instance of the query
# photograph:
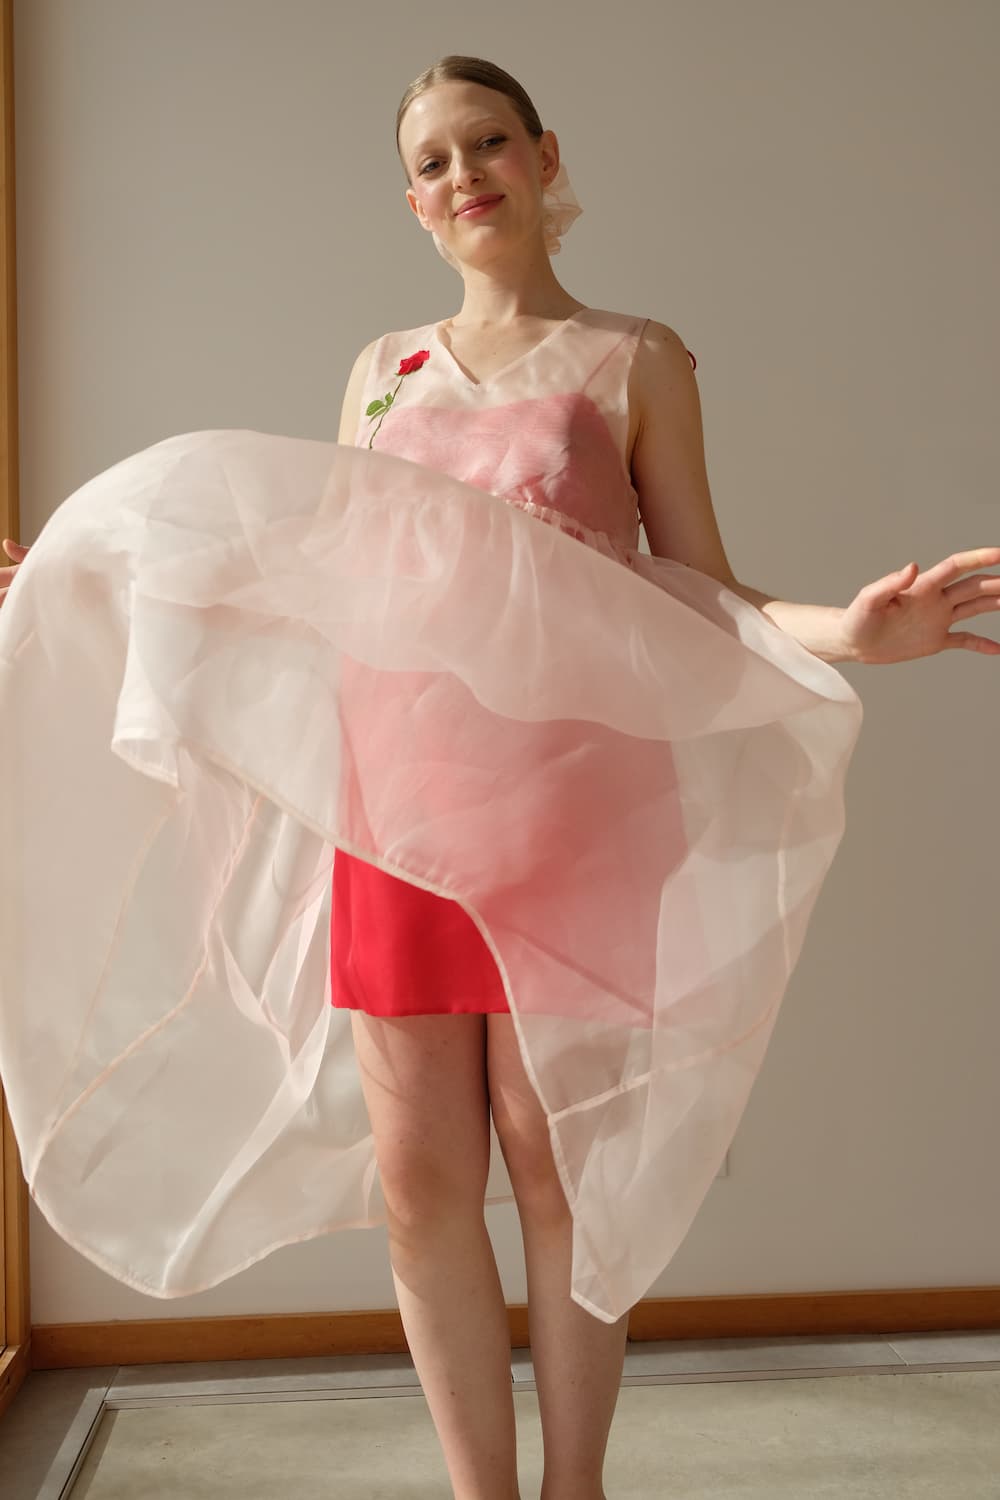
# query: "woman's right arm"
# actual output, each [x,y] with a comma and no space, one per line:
[350,416]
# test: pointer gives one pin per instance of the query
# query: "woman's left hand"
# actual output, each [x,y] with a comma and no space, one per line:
[909,614]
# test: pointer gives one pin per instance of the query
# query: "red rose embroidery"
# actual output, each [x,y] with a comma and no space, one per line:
[413,361]
[407,366]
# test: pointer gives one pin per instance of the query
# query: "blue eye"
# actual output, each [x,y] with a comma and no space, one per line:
[485,142]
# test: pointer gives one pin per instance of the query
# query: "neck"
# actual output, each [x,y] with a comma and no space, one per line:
[492,301]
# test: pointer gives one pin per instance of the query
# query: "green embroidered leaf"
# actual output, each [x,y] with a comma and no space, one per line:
[372,408]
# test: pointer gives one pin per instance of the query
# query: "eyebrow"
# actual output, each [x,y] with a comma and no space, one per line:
[425,145]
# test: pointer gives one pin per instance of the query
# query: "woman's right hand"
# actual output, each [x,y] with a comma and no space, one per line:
[17,554]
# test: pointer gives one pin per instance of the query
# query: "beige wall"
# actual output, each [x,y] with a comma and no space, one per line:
[210,225]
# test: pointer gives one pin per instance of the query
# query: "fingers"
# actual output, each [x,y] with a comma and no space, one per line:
[975,607]
[979,606]
[966,640]
[960,562]
[976,587]
[12,549]
[7,577]
[883,589]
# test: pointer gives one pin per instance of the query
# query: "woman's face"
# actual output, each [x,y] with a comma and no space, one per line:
[460,141]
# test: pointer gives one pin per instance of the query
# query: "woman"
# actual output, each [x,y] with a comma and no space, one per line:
[672,821]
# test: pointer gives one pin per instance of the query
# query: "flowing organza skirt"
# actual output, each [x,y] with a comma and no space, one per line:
[233,654]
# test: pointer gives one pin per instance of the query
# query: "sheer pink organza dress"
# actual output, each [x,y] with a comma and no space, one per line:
[560,777]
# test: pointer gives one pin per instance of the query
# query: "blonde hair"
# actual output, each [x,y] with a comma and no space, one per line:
[456,68]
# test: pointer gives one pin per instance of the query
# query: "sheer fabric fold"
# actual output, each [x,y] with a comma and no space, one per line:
[234,653]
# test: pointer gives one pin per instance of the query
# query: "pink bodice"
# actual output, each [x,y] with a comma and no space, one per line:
[548,432]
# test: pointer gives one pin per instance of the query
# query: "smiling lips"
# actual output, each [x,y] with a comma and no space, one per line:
[479,203]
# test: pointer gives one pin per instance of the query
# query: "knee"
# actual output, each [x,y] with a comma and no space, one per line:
[425,1191]
[532,1170]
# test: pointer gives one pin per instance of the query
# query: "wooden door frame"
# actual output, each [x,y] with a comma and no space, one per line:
[15,1344]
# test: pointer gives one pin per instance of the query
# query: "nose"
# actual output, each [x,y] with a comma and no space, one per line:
[465,171]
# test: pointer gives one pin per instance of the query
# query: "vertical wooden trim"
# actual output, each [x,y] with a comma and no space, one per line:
[9,512]
[17,1306]
[14,1264]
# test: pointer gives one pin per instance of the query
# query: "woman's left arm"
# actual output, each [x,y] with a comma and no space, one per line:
[902,616]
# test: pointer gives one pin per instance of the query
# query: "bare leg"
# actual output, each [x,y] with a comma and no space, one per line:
[577,1359]
[424,1080]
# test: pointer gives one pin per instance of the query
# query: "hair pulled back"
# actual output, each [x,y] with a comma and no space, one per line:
[457,68]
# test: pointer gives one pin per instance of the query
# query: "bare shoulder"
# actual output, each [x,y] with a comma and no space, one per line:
[350,411]
[659,369]
[662,365]
[668,465]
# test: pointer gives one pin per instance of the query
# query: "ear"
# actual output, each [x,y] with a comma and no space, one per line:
[417,207]
[548,156]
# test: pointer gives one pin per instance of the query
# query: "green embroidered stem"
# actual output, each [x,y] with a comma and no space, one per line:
[376,407]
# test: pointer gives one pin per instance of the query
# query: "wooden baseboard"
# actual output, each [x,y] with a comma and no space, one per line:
[286,1336]
[15,1363]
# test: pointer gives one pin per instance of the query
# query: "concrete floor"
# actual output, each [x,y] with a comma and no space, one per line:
[907,1417]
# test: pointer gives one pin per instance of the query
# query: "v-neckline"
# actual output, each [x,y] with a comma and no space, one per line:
[478,384]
